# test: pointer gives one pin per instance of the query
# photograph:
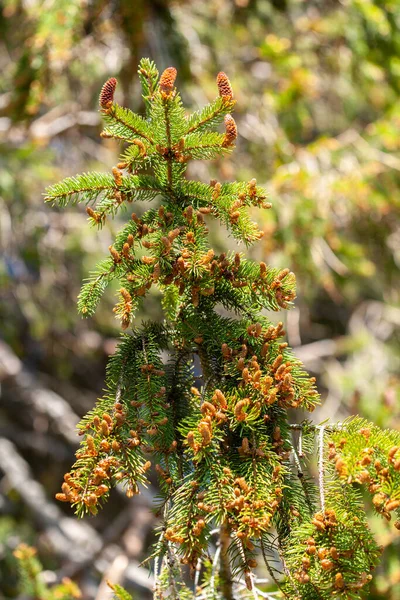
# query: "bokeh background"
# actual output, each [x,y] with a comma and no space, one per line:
[317,84]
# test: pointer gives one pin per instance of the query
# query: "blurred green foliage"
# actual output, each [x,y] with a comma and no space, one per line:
[317,86]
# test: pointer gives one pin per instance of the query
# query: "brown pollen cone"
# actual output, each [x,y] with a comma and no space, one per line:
[107,93]
[167,80]
[224,86]
[230,131]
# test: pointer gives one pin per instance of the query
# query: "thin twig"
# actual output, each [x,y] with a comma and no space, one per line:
[214,568]
[313,427]
[157,557]
[321,467]
[250,574]
[156,567]
[261,594]
[270,569]
[300,474]
[197,577]
[301,444]
[285,567]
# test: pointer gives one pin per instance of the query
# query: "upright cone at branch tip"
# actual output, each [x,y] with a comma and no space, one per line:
[224,86]
[230,131]
[167,80]
[107,93]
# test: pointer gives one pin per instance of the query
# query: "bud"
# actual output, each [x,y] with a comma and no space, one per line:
[339,581]
[334,553]
[195,296]
[220,398]
[105,445]
[101,490]
[116,446]
[205,432]
[245,445]
[104,428]
[126,250]
[115,254]
[93,214]
[156,271]
[141,146]
[117,176]
[107,93]
[107,418]
[240,364]
[239,408]
[90,500]
[61,497]
[283,274]
[392,505]
[90,443]
[188,214]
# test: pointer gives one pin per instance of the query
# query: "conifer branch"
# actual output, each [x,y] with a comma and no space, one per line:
[88,185]
[122,122]
[210,115]
[148,75]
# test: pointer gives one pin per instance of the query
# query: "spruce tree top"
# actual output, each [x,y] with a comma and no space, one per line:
[213,418]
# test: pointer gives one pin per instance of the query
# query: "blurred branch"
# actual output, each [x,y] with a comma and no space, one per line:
[41,444]
[31,393]
[114,573]
[48,127]
[309,353]
[10,365]
[352,137]
[69,538]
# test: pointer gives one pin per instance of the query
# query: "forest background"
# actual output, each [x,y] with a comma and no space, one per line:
[317,85]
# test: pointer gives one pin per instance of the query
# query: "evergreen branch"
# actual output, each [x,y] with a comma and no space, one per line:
[95,286]
[197,193]
[83,188]
[122,122]
[122,136]
[204,146]
[135,158]
[209,116]
[140,187]
[90,186]
[148,75]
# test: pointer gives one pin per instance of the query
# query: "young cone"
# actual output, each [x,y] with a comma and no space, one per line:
[224,86]
[107,93]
